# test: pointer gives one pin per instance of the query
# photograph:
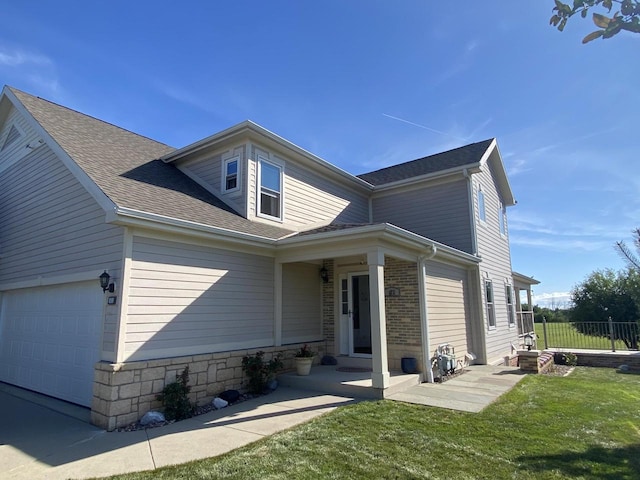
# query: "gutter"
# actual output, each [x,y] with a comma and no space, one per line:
[132,217]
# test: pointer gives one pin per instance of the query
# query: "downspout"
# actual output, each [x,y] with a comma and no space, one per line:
[424,316]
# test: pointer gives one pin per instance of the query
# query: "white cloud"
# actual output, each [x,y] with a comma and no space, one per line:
[15,58]
[552,300]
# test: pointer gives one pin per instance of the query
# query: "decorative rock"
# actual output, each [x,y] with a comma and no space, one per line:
[230,396]
[623,369]
[219,403]
[152,417]
[328,360]
[272,385]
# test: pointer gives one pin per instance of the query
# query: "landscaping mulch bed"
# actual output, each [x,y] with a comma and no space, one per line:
[200,410]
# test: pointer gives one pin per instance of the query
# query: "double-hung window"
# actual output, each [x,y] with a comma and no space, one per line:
[508,292]
[231,167]
[270,195]
[491,309]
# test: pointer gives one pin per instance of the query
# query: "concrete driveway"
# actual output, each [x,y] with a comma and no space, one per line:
[37,441]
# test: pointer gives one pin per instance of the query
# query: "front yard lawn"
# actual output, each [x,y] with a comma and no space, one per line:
[584,426]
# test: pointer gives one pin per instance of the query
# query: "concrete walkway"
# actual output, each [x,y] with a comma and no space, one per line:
[471,391]
[37,442]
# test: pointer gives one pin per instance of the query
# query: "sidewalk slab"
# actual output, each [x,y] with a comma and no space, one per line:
[38,442]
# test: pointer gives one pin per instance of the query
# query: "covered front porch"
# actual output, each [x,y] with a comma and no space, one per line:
[374,304]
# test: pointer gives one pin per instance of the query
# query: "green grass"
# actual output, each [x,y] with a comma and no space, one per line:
[584,426]
[563,335]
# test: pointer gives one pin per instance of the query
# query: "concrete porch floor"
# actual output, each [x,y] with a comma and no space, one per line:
[327,379]
[471,391]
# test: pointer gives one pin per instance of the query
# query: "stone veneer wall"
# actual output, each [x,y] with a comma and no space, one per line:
[124,392]
[328,310]
[404,330]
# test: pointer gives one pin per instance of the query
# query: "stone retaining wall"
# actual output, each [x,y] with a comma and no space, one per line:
[610,360]
[124,392]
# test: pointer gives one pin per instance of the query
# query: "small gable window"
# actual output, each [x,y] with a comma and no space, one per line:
[13,135]
[481,208]
[231,170]
[270,195]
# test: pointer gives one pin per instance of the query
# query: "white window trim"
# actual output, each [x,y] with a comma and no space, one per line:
[280,167]
[492,304]
[226,162]
[482,206]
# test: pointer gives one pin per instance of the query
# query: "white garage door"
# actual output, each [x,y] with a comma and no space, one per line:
[50,338]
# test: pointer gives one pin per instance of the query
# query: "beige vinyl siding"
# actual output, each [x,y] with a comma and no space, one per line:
[447,307]
[310,199]
[301,308]
[50,227]
[186,299]
[439,212]
[496,265]
[17,149]
[208,170]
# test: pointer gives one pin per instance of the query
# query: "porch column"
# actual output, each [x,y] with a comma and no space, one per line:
[277,304]
[529,298]
[380,374]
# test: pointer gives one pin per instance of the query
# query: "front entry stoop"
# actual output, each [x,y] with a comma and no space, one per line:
[327,379]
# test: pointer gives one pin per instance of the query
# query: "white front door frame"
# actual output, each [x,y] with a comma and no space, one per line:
[352,300]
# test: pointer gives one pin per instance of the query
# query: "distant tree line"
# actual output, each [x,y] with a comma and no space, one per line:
[605,294]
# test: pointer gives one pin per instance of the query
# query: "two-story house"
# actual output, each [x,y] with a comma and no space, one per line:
[239,242]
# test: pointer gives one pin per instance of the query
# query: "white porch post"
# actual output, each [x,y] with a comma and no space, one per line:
[380,374]
[277,304]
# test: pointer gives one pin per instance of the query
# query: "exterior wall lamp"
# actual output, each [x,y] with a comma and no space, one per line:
[528,341]
[105,284]
[324,275]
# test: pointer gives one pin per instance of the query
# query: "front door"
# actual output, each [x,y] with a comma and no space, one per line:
[359,315]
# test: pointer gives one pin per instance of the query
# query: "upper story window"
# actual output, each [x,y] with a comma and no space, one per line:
[491,309]
[231,171]
[270,184]
[502,218]
[481,208]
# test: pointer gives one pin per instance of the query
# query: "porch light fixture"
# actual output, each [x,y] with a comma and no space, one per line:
[105,284]
[324,275]
[528,341]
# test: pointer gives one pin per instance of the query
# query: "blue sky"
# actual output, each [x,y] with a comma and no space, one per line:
[365,84]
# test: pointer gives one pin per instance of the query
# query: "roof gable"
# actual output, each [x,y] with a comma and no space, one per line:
[125,167]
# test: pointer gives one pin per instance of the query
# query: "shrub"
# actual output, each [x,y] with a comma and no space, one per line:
[174,398]
[567,358]
[259,371]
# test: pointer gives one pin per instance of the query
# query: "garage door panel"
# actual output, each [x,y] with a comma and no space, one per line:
[50,337]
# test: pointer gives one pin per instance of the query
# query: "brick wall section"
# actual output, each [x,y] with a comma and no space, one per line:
[123,393]
[535,361]
[328,309]
[404,335]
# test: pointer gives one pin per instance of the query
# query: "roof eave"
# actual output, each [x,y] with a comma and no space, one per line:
[257,132]
[469,167]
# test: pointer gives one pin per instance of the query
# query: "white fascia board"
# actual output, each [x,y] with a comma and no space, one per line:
[503,179]
[255,131]
[382,231]
[519,277]
[470,167]
[138,218]
[96,192]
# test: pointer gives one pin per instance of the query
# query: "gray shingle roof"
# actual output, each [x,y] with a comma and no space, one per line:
[456,158]
[126,168]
